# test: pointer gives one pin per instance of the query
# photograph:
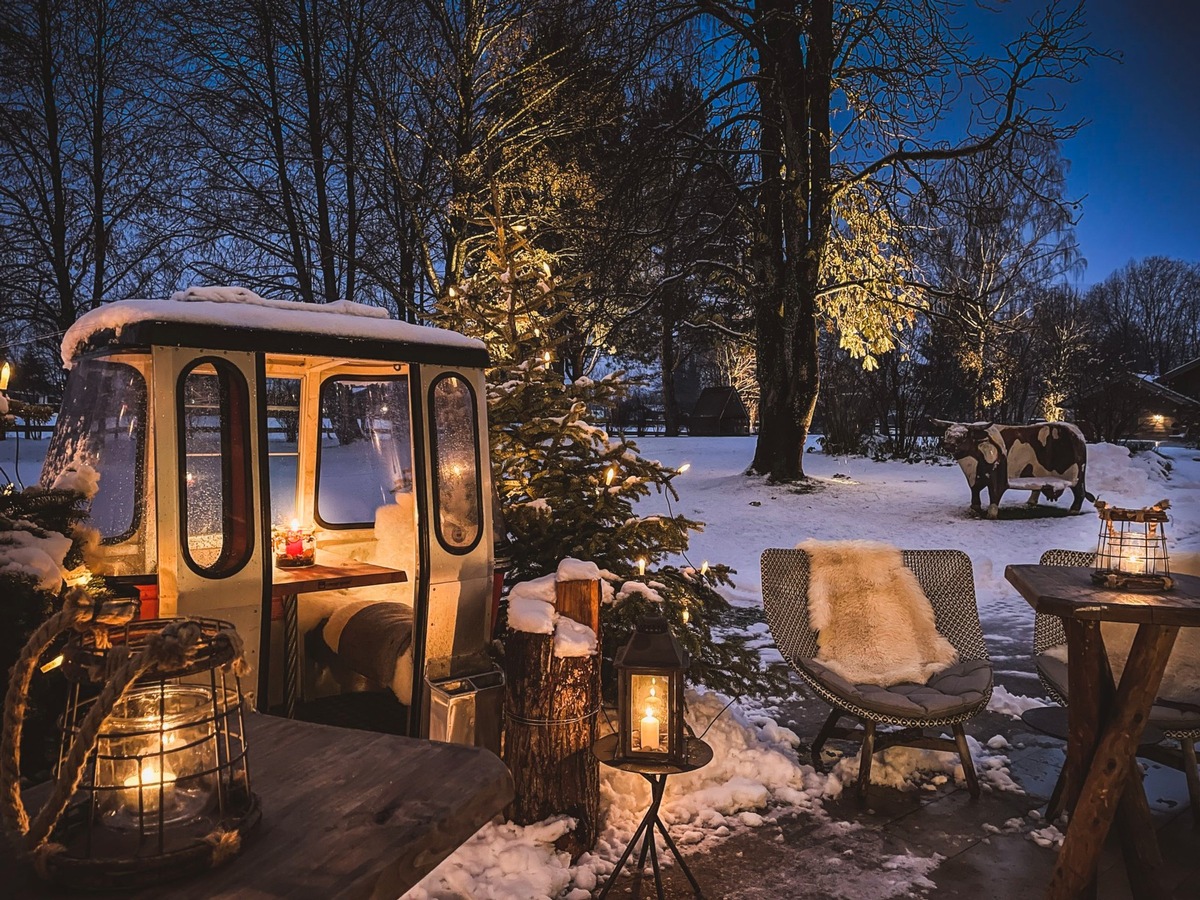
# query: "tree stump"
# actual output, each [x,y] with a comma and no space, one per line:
[551,704]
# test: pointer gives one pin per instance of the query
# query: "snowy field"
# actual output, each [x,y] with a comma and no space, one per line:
[757,778]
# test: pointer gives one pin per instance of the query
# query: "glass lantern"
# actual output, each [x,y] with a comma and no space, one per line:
[650,673]
[1131,552]
[169,767]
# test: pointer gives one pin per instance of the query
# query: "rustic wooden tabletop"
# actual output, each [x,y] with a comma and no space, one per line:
[346,814]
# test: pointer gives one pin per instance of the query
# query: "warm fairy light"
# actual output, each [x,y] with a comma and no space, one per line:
[685,615]
[53,664]
[704,568]
[546,357]
[5,374]
[451,291]
[641,565]
[190,478]
[610,474]
[684,468]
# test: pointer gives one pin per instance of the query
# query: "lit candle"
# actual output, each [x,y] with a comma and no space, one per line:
[649,731]
[1134,564]
[149,782]
[295,541]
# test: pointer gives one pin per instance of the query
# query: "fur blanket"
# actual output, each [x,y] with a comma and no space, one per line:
[874,624]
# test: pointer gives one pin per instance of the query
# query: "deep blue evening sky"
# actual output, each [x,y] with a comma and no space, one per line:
[1138,161]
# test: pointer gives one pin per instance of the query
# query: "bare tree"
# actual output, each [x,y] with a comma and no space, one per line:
[849,103]
[85,168]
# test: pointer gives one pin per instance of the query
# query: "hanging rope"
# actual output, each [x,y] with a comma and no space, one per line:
[172,648]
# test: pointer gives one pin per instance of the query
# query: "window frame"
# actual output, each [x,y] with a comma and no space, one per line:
[226,564]
[434,479]
[361,379]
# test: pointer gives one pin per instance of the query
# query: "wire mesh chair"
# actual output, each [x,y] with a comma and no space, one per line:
[947,700]
[1176,720]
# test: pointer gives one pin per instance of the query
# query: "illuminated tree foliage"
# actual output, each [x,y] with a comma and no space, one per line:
[565,487]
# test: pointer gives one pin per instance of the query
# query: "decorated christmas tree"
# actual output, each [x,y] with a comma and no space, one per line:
[565,487]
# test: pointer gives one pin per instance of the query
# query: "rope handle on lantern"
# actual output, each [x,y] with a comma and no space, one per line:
[174,646]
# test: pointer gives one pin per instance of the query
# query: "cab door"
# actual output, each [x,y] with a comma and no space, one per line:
[213,558]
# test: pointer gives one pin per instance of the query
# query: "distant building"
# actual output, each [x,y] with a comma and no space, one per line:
[719,411]
[1184,379]
[1136,407]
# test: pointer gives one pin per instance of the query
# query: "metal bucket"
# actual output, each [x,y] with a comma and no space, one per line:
[468,710]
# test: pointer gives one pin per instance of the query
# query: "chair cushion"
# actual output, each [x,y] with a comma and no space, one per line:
[954,691]
[1171,716]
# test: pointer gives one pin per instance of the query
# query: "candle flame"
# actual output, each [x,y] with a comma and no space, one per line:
[295,525]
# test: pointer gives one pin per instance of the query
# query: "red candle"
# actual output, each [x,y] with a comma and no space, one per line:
[295,541]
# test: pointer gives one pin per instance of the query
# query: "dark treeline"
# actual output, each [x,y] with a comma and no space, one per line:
[786,192]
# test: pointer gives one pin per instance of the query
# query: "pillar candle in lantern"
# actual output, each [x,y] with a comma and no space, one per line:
[148,783]
[649,731]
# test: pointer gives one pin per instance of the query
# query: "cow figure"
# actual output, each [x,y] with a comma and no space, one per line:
[1047,458]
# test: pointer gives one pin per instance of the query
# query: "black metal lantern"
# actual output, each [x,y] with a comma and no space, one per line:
[650,673]
[165,789]
[1131,552]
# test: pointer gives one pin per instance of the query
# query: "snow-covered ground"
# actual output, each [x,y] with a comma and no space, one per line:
[756,776]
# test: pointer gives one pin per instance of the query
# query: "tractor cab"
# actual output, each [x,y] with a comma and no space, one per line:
[316,474]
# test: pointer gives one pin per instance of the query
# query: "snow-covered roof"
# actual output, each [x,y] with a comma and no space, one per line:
[237,311]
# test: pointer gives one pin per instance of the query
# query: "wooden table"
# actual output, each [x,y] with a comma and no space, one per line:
[328,575]
[1105,721]
[346,814]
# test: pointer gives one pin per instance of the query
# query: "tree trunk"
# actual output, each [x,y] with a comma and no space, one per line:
[551,704]
[669,361]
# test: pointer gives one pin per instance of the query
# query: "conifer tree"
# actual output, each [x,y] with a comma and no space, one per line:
[566,488]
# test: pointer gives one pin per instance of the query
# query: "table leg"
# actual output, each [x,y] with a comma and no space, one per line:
[679,859]
[1089,679]
[291,654]
[657,784]
[1108,775]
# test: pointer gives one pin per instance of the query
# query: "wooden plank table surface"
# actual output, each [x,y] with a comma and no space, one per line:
[330,575]
[1101,782]
[346,814]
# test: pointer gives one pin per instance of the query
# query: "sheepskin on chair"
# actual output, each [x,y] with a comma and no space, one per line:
[874,624]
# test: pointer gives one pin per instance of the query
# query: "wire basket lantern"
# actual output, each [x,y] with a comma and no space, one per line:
[1131,552]
[152,782]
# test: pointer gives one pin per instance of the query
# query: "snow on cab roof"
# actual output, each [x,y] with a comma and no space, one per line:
[239,308]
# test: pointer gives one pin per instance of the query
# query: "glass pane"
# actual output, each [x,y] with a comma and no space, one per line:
[102,424]
[650,713]
[455,438]
[283,423]
[366,449]
[213,437]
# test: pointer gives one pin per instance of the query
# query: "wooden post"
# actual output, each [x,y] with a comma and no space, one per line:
[551,704]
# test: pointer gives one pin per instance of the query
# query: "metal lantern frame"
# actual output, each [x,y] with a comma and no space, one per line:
[651,653]
[1131,551]
[131,830]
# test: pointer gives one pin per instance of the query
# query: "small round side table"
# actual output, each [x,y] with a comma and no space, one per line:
[699,755]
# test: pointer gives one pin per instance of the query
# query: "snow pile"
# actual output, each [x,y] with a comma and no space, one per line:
[1010,704]
[912,768]
[82,478]
[26,554]
[531,609]
[239,308]
[629,588]
[1122,478]
[243,295]
[504,862]
[572,638]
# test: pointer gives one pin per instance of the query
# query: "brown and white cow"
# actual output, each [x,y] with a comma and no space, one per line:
[1046,458]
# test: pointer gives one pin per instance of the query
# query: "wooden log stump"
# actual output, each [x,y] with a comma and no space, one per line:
[551,706]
